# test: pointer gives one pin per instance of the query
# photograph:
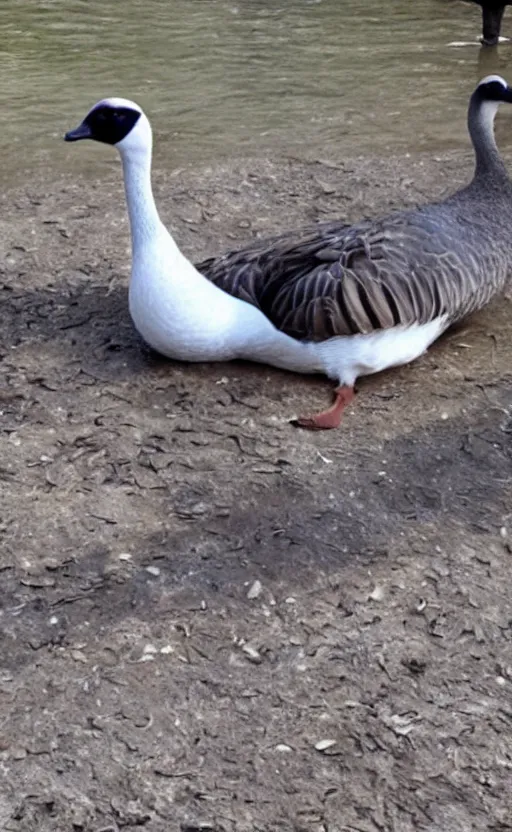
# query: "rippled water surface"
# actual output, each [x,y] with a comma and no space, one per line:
[231,77]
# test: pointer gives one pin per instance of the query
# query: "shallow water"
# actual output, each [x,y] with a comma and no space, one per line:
[231,77]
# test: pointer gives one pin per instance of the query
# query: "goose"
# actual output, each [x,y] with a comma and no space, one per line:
[336,299]
[492,15]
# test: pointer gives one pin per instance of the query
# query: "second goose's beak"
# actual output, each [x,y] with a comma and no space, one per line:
[83,131]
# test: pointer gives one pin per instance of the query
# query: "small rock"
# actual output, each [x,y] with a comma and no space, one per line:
[377,594]
[323,745]
[153,570]
[283,748]
[125,556]
[37,581]
[80,817]
[130,812]
[255,590]
[78,656]
[415,664]
[401,725]
[252,654]
[51,564]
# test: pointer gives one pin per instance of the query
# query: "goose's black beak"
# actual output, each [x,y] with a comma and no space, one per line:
[83,131]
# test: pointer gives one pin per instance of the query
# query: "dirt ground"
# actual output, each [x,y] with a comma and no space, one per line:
[210,620]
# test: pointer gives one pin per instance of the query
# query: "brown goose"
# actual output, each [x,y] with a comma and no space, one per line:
[378,293]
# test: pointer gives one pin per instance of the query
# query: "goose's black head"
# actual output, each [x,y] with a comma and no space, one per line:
[493,88]
[110,121]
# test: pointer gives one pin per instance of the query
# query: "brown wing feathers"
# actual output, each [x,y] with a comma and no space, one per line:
[333,280]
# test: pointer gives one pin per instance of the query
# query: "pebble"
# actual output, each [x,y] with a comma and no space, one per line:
[377,594]
[254,590]
[153,570]
[323,745]
[251,653]
[78,656]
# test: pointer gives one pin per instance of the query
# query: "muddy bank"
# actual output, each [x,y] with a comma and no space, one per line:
[211,620]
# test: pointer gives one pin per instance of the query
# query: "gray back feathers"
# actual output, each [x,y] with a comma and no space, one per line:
[447,258]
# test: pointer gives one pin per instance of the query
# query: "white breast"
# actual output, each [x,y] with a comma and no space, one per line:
[348,357]
[184,316]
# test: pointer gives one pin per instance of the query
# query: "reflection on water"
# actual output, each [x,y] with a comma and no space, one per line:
[221,77]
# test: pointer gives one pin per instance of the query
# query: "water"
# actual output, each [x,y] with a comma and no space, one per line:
[230,77]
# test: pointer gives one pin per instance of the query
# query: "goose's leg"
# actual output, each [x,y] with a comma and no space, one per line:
[491,24]
[331,417]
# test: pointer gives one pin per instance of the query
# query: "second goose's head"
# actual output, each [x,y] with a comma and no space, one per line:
[493,88]
[487,97]
[115,121]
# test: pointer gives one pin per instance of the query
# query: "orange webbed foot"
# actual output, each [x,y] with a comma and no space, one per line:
[331,417]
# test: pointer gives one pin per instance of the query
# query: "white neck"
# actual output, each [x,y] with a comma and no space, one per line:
[490,167]
[145,223]
[176,309]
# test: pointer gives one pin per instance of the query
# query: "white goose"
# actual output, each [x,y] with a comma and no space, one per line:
[341,300]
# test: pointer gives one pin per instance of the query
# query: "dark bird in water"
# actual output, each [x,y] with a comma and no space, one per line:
[492,16]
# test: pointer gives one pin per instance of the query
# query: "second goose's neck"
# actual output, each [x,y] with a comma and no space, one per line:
[145,222]
[490,168]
